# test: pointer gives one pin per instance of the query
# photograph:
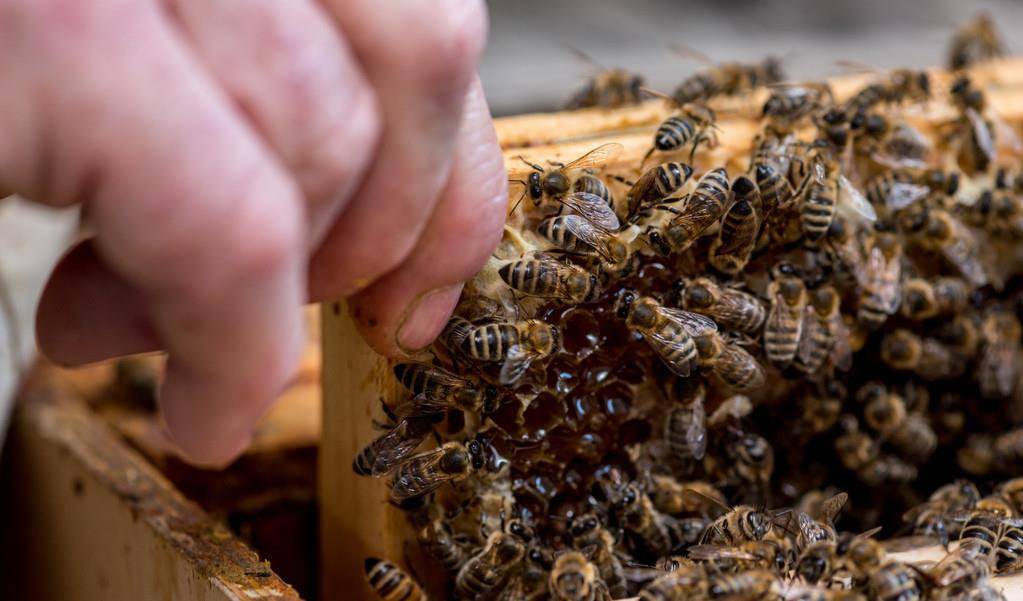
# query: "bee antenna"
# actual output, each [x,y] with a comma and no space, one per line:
[533,165]
[705,497]
[646,156]
[582,56]
[658,94]
[519,201]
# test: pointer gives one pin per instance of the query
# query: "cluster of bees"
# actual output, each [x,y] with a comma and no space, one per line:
[654,359]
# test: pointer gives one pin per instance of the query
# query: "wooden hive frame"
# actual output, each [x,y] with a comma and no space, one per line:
[356,519]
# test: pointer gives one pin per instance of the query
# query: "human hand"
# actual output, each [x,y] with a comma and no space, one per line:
[236,158]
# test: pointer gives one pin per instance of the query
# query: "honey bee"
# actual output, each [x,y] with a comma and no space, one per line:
[915,439]
[974,131]
[692,497]
[685,582]
[587,532]
[730,307]
[731,250]
[975,42]
[692,126]
[436,390]
[997,212]
[607,88]
[784,324]
[685,432]
[739,525]
[533,578]
[799,592]
[823,330]
[574,578]
[654,186]
[516,344]
[816,562]
[822,407]
[701,209]
[883,410]
[436,538]
[572,233]
[728,79]
[650,529]
[769,166]
[751,555]
[729,362]
[485,570]
[750,585]
[423,473]
[669,332]
[998,368]
[895,581]
[925,299]
[390,449]
[960,570]
[820,528]
[1008,451]
[391,583]
[900,86]
[928,358]
[858,556]
[557,185]
[896,189]
[893,145]
[880,292]
[1012,491]
[543,276]
[790,104]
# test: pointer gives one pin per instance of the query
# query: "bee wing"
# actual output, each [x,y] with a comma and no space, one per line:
[903,194]
[590,234]
[422,405]
[1005,136]
[909,543]
[820,173]
[443,376]
[668,347]
[419,479]
[981,133]
[605,153]
[807,525]
[808,339]
[832,506]
[694,323]
[841,352]
[696,435]
[961,252]
[709,552]
[852,203]
[592,208]
[396,449]
[516,362]
[892,160]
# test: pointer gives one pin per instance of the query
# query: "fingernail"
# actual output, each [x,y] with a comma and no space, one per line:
[426,317]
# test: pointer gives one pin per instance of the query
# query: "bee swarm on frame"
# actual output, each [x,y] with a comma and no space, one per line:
[674,378]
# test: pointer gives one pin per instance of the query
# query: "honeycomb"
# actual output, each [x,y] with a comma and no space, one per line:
[716,395]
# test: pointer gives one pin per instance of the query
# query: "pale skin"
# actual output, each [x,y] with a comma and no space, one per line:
[237,158]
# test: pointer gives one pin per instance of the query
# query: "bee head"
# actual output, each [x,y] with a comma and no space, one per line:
[534,183]
[875,125]
[555,338]
[491,398]
[759,524]
[658,243]
[538,556]
[477,452]
[923,84]
[623,304]
[960,86]
[699,296]
[773,69]
[520,530]
[583,524]
[508,548]
[593,292]
[636,85]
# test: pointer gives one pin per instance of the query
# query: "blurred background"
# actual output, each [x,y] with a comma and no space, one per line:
[527,66]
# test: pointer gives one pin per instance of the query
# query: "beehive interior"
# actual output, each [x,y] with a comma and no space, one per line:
[603,427]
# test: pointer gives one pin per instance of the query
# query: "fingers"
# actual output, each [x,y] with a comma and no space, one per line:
[88,313]
[190,210]
[286,66]
[420,57]
[408,308]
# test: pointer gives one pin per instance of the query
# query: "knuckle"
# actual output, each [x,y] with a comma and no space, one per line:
[265,243]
